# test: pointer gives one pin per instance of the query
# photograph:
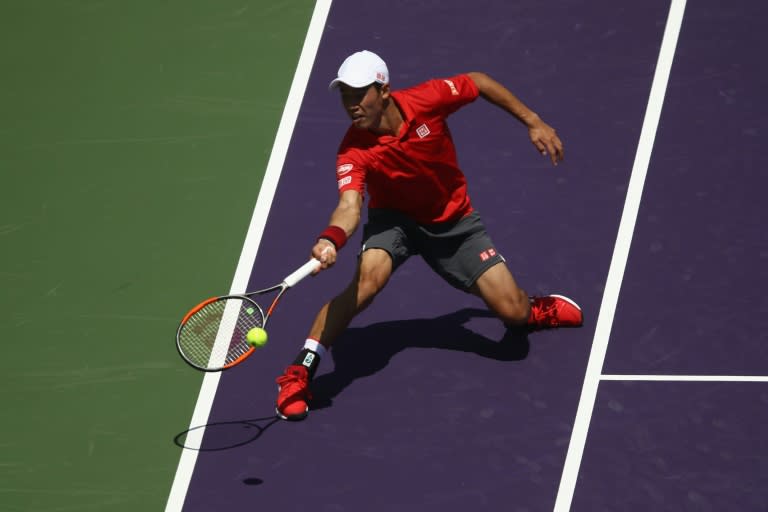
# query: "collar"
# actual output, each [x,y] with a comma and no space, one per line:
[407,114]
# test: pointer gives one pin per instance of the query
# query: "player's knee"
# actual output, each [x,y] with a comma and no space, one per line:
[369,284]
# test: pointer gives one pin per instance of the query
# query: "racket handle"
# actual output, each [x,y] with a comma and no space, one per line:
[303,271]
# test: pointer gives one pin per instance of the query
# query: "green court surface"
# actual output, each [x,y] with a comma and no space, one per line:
[133,140]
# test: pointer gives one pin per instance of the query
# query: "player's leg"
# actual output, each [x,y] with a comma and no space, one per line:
[464,255]
[498,289]
[386,246]
[373,271]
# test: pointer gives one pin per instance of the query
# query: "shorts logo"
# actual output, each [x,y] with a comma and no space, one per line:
[488,254]
[422,131]
[344,169]
[454,91]
[345,181]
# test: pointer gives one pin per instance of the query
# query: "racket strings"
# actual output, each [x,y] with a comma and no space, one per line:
[215,335]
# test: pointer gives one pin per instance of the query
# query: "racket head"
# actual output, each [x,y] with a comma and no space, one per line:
[212,335]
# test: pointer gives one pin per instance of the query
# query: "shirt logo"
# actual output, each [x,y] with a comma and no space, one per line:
[454,91]
[344,169]
[345,181]
[422,131]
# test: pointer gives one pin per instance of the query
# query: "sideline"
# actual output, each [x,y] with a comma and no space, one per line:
[619,259]
[253,237]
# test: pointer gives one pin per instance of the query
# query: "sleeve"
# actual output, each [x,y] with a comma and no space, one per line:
[445,95]
[350,170]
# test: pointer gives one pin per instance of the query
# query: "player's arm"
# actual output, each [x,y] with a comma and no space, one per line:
[344,221]
[541,134]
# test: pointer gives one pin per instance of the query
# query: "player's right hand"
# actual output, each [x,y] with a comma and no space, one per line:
[325,252]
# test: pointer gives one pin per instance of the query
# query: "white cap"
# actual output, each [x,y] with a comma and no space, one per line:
[361,69]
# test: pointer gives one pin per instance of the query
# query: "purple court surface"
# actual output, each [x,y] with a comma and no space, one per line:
[425,404]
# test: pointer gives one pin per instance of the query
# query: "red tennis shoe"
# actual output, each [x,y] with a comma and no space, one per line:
[554,311]
[293,393]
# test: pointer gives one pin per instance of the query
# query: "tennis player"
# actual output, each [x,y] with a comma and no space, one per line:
[400,150]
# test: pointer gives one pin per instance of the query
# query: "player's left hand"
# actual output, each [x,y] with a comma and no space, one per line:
[546,141]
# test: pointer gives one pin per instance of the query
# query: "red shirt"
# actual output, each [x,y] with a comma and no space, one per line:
[415,172]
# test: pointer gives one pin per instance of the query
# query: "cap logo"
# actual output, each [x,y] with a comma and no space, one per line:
[380,77]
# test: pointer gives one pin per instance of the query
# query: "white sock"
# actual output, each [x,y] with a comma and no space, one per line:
[315,347]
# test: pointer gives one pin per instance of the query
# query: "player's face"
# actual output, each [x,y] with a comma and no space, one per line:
[363,105]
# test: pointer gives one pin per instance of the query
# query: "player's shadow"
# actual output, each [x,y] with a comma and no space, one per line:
[363,351]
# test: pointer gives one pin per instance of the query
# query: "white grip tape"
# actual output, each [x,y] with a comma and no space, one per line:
[303,271]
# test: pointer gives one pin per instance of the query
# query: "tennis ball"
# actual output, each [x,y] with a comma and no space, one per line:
[256,337]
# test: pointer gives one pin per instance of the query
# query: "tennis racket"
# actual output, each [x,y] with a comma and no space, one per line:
[212,335]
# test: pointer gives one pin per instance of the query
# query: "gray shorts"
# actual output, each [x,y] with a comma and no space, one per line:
[458,251]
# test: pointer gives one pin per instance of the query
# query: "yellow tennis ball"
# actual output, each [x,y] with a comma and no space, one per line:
[256,337]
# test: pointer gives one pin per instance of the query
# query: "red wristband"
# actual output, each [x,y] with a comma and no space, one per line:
[335,235]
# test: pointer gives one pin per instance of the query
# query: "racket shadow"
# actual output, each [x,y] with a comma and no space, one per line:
[364,351]
[226,435]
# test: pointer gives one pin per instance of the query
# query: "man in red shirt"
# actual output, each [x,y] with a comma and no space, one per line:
[400,152]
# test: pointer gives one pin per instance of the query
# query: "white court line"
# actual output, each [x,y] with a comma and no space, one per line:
[619,259]
[687,378]
[272,173]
